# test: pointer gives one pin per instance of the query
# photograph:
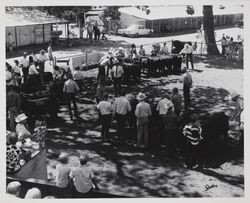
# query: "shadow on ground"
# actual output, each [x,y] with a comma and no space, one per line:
[125,169]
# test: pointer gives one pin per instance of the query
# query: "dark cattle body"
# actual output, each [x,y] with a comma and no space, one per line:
[39,96]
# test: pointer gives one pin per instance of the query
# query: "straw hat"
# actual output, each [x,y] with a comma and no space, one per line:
[21,117]
[141,96]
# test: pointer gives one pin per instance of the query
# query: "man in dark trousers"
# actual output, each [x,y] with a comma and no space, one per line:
[70,89]
[188,51]
[187,84]
[121,109]
[117,75]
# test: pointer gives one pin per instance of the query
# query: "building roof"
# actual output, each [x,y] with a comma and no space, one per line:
[21,17]
[167,12]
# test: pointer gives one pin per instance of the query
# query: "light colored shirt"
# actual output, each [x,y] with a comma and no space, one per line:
[33,70]
[34,57]
[82,178]
[22,132]
[50,51]
[105,107]
[187,50]
[42,57]
[162,106]
[16,69]
[143,110]
[122,106]
[78,75]
[70,86]
[117,71]
[104,61]
[187,79]
[62,175]
[24,61]
[164,49]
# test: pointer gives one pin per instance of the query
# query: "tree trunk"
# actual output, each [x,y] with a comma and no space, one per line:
[208,24]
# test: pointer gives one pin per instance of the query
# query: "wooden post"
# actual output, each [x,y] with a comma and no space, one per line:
[68,34]
[86,58]
[43,35]
[16,36]
[179,24]
[173,25]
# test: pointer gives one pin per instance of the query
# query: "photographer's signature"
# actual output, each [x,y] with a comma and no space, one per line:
[208,187]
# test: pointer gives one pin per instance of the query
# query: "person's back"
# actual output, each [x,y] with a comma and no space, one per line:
[62,178]
[177,101]
[122,105]
[82,178]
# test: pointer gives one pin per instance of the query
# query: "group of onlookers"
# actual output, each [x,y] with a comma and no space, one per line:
[230,48]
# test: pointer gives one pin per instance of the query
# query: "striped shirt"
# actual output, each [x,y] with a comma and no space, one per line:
[192,132]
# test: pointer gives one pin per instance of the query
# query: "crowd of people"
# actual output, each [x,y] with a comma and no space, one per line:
[231,49]
[177,114]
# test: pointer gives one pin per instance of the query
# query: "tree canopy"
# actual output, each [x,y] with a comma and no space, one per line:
[112,13]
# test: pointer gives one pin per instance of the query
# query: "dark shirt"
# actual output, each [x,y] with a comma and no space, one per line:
[177,101]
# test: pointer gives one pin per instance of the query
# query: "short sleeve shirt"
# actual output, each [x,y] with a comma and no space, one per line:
[82,178]
[62,175]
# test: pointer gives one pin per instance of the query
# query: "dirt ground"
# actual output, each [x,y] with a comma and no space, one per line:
[125,170]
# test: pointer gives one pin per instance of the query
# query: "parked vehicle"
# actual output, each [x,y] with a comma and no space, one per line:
[135,31]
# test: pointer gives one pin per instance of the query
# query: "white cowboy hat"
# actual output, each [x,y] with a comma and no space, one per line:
[141,96]
[21,117]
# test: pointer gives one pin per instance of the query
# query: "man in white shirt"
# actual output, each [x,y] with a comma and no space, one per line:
[121,108]
[70,89]
[78,77]
[162,108]
[24,63]
[105,108]
[34,56]
[33,69]
[42,58]
[83,178]
[187,84]
[164,49]
[142,112]
[188,50]
[117,74]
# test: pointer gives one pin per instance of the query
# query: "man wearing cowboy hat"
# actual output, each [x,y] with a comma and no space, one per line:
[117,75]
[22,127]
[142,112]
